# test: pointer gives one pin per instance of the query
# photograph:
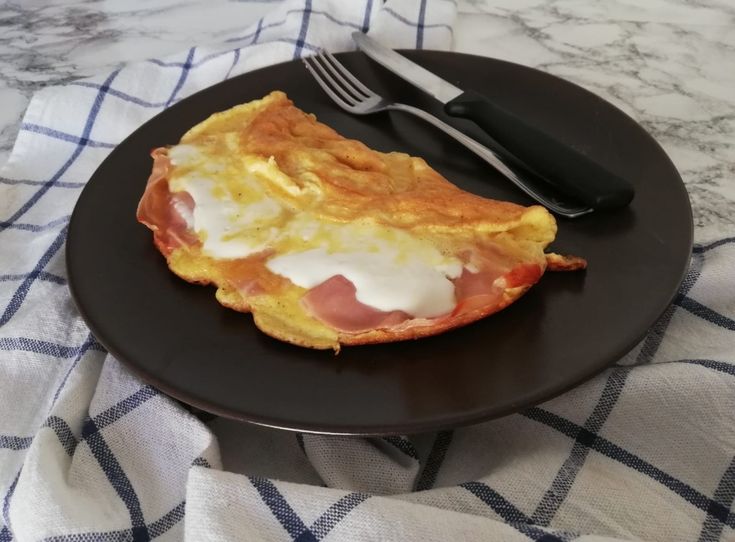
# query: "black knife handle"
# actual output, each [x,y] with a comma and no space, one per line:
[569,170]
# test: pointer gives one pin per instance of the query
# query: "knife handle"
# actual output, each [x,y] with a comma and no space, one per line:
[566,168]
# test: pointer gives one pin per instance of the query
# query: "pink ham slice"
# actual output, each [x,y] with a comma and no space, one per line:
[335,303]
[480,290]
[163,211]
[475,290]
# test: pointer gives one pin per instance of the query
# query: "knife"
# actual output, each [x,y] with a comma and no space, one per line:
[564,167]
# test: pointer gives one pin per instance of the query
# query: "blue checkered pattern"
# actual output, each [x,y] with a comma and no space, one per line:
[87,452]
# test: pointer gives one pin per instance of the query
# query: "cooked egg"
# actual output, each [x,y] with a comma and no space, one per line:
[391,269]
[328,242]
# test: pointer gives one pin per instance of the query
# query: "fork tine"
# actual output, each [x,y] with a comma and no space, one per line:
[348,80]
[338,82]
[339,100]
[354,80]
[319,70]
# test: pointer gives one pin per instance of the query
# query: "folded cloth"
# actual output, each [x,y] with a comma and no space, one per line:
[88,452]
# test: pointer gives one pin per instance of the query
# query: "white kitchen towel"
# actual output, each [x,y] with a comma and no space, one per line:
[88,452]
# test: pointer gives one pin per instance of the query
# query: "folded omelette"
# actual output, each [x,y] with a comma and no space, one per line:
[328,242]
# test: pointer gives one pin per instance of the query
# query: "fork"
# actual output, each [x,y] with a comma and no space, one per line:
[353,96]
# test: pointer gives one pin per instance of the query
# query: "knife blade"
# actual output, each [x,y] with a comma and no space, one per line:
[566,168]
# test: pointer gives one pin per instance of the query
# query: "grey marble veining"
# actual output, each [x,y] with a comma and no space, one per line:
[669,64]
[50,42]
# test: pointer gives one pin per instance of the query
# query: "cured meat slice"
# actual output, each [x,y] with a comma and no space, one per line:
[330,243]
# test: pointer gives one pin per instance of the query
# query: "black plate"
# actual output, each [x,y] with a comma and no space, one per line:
[566,329]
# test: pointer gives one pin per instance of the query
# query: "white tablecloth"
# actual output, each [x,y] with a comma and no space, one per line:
[88,452]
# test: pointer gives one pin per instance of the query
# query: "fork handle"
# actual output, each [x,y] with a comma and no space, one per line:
[491,158]
[568,169]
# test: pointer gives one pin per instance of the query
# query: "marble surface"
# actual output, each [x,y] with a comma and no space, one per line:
[670,64]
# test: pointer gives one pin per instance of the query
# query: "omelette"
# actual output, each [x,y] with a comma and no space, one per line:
[328,242]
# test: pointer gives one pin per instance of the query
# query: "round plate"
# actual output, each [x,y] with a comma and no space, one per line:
[567,328]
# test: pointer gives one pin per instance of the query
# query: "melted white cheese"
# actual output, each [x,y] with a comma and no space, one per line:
[221,221]
[185,213]
[383,279]
[184,154]
[390,269]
